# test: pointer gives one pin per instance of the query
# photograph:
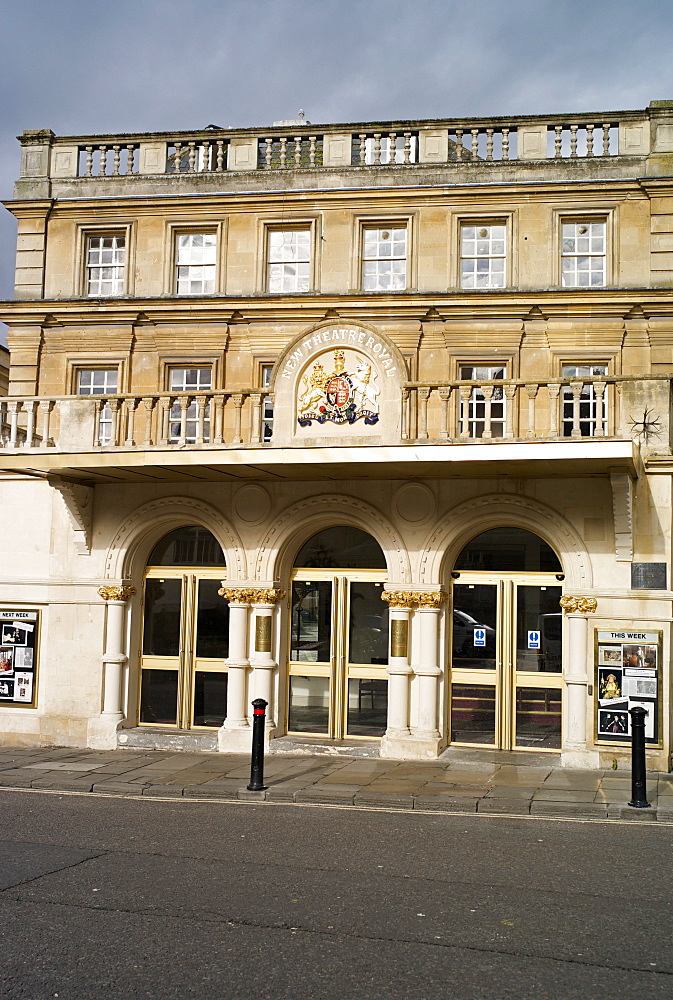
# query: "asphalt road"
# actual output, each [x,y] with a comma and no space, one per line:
[136,898]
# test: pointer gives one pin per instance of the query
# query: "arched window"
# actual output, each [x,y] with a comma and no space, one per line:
[189,546]
[343,547]
[508,550]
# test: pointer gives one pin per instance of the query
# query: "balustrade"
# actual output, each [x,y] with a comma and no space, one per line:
[458,412]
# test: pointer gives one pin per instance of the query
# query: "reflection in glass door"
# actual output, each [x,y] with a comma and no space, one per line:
[184,645]
[338,685]
[506,661]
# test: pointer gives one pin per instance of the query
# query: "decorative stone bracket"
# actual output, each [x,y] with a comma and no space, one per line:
[248,595]
[583,605]
[116,593]
[78,502]
[622,512]
[409,599]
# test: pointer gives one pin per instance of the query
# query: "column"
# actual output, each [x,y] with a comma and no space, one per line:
[428,672]
[261,659]
[576,676]
[395,743]
[102,731]
[235,733]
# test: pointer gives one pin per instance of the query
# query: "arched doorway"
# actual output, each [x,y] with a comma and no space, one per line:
[185,640]
[506,642]
[337,681]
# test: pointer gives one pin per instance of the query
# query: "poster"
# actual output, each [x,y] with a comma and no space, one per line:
[19,630]
[628,673]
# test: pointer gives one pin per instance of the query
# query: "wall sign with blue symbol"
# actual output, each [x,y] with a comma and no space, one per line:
[480,637]
[533,640]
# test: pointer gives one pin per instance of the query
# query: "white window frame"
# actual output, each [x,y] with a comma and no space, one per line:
[577,215]
[492,252]
[203,272]
[81,258]
[474,409]
[197,388]
[584,233]
[104,429]
[587,399]
[377,277]
[265,368]
[283,262]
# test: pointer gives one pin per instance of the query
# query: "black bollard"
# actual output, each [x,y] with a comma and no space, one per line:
[257,759]
[638,772]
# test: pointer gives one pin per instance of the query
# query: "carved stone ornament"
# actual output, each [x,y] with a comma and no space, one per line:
[341,395]
[403,599]
[78,502]
[434,600]
[249,596]
[116,593]
[582,604]
[266,596]
[236,596]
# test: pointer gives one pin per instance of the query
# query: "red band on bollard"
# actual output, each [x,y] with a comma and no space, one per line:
[258,711]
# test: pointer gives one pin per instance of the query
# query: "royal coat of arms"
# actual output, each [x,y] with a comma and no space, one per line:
[340,396]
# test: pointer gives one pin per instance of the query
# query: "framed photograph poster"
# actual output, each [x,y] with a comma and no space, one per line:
[628,673]
[19,634]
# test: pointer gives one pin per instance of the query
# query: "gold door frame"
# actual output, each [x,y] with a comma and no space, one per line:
[339,670]
[506,678]
[186,663]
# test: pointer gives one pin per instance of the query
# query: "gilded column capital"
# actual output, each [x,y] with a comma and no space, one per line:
[266,596]
[431,600]
[403,600]
[116,593]
[574,604]
[236,595]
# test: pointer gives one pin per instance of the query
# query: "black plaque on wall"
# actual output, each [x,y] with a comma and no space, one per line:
[648,576]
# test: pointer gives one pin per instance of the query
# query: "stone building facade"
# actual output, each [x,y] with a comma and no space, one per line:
[372,421]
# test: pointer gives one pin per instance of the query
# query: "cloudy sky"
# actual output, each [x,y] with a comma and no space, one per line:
[90,66]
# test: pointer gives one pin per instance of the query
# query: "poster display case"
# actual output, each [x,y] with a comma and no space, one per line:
[628,673]
[19,636]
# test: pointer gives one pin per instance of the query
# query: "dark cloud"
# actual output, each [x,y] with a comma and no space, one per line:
[81,67]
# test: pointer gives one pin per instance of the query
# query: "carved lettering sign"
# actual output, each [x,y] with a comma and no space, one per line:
[348,337]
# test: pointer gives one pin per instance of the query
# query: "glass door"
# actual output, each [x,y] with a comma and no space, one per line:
[337,684]
[506,662]
[184,646]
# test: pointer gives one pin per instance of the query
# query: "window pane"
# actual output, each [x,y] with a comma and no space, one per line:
[309,704]
[368,625]
[538,718]
[159,697]
[212,621]
[473,713]
[210,698]
[367,707]
[311,640]
[161,632]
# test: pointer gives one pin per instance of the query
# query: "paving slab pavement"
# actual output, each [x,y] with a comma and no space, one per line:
[461,780]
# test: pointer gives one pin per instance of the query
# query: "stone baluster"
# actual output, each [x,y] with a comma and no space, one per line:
[554,390]
[218,418]
[576,670]
[88,172]
[590,140]
[297,151]
[262,660]
[98,407]
[235,732]
[238,403]
[219,161]
[45,409]
[165,420]
[487,392]
[13,407]
[427,668]
[268,151]
[184,406]
[407,147]
[531,391]
[573,141]
[489,143]
[191,161]
[406,416]
[459,144]
[131,405]
[392,146]
[102,162]
[464,413]
[599,394]
[201,404]
[206,155]
[377,149]
[576,389]
[399,668]
[148,403]
[558,140]
[114,427]
[177,157]
[116,159]
[29,407]
[606,138]
[283,152]
[510,395]
[256,418]
[445,396]
[130,158]
[423,394]
[114,660]
[363,149]
[475,143]
[505,144]
[312,139]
